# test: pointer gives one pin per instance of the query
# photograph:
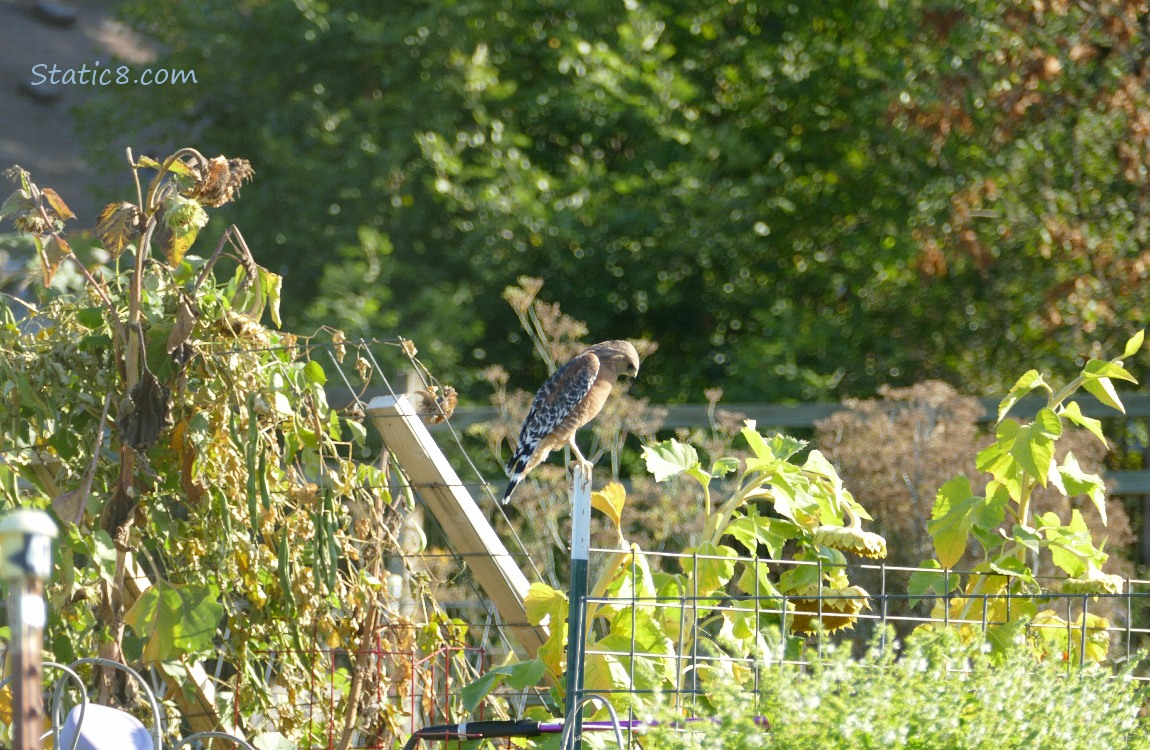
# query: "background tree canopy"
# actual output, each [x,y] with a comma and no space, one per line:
[797,201]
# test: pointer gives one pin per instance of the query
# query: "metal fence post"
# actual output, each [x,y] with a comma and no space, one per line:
[25,563]
[577,612]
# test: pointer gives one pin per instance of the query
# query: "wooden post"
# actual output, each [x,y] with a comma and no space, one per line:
[467,530]
[26,544]
[577,603]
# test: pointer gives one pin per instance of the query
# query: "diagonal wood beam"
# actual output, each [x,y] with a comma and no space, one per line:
[443,493]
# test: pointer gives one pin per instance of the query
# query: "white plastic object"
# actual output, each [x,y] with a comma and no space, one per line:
[104,728]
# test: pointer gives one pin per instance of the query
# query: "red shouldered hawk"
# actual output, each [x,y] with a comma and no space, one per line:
[570,398]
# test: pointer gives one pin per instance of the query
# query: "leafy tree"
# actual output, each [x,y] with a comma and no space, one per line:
[793,199]
[717,177]
[1034,237]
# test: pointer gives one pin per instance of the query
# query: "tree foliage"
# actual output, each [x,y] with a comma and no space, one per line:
[793,199]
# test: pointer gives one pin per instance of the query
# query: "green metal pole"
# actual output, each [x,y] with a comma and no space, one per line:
[577,612]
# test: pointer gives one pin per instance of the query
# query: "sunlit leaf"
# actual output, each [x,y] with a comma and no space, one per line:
[1103,390]
[1033,446]
[669,459]
[1074,413]
[1025,384]
[1098,368]
[1078,482]
[543,602]
[176,620]
[1134,344]
[956,508]
[610,501]
[271,284]
[724,466]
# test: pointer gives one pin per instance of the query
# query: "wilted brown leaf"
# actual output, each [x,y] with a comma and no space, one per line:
[145,412]
[52,254]
[58,205]
[218,181]
[118,227]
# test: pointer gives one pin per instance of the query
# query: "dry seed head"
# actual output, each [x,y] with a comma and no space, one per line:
[1093,582]
[849,539]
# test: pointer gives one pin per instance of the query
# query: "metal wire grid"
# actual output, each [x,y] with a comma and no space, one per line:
[1127,616]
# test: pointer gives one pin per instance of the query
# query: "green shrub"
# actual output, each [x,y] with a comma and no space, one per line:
[937,694]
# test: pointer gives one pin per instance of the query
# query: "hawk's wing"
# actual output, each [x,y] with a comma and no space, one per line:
[558,397]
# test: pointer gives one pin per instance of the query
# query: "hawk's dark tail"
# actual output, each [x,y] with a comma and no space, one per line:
[516,466]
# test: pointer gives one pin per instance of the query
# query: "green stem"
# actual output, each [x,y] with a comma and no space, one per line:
[717,523]
[1056,399]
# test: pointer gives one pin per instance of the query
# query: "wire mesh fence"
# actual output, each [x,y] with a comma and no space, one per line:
[1074,628]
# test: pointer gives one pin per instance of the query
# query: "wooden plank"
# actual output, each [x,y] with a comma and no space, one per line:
[443,493]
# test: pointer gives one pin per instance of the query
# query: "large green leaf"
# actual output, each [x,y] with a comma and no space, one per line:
[670,458]
[712,567]
[175,620]
[956,509]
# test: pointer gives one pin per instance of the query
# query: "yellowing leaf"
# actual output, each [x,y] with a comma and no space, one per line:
[57,203]
[543,601]
[6,710]
[52,254]
[609,501]
[118,227]
[175,244]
